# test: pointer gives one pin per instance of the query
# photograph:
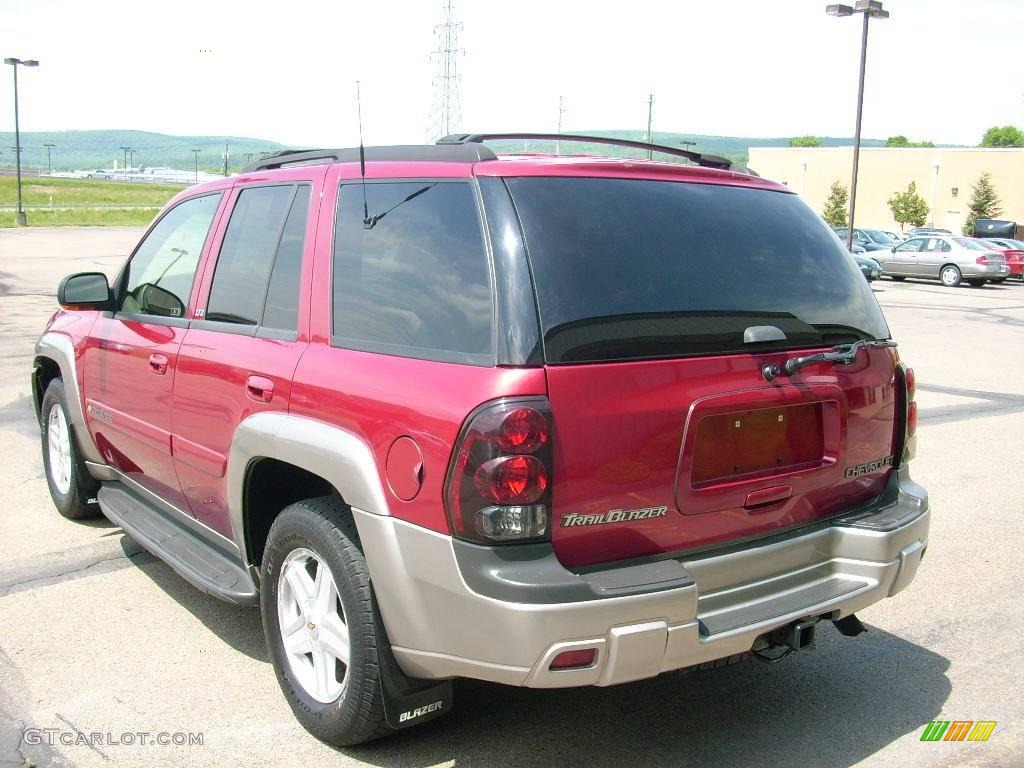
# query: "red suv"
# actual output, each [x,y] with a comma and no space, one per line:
[543,421]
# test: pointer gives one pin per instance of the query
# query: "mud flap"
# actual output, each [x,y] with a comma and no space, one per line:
[409,701]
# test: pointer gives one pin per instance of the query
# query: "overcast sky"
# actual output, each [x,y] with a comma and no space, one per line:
[943,70]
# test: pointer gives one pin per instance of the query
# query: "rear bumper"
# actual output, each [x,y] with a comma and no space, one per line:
[455,610]
[988,271]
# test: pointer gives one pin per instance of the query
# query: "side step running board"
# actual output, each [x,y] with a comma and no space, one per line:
[196,560]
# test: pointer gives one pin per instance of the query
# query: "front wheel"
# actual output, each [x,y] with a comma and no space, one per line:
[897,278]
[320,622]
[71,487]
[950,276]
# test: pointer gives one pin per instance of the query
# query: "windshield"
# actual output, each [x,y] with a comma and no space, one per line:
[630,269]
[880,237]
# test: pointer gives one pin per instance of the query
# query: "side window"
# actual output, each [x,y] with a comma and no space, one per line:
[943,246]
[259,261]
[411,276]
[911,245]
[860,237]
[929,244]
[160,275]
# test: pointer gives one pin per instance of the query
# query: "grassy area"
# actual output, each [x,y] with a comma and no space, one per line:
[47,191]
[85,217]
[83,193]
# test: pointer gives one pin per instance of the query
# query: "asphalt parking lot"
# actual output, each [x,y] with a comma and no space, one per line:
[98,637]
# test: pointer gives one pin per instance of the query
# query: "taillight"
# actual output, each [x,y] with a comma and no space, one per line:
[909,436]
[498,487]
[982,259]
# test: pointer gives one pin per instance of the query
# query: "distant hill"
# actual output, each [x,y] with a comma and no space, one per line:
[84,150]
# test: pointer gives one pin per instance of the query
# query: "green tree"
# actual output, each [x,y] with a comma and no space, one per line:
[908,207]
[984,203]
[1003,136]
[903,141]
[805,141]
[836,206]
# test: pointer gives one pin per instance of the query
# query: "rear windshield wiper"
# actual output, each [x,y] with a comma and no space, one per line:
[841,354]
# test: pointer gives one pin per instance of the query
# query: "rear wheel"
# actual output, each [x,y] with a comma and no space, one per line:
[71,487]
[897,278]
[976,283]
[320,622]
[998,281]
[950,276]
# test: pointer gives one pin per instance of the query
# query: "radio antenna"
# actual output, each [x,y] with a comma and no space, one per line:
[367,223]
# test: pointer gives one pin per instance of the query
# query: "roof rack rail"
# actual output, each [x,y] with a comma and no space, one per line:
[408,153]
[700,158]
[293,157]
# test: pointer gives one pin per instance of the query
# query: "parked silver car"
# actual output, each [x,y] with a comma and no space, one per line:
[948,258]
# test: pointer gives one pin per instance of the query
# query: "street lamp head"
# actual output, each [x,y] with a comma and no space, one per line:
[839,10]
[30,63]
[872,8]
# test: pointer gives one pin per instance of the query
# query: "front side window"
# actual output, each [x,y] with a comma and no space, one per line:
[410,271]
[259,262]
[160,275]
[911,245]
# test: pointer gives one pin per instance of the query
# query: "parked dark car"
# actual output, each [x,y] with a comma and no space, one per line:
[870,268]
[869,239]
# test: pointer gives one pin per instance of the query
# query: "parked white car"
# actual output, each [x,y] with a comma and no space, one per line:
[948,258]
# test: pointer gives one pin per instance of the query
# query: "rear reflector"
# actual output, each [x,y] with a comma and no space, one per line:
[574,659]
[912,419]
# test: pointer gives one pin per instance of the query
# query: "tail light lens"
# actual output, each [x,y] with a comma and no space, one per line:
[982,259]
[498,486]
[910,426]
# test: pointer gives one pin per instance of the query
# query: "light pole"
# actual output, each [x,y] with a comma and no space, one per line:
[20,217]
[125,170]
[131,158]
[49,165]
[869,9]
[196,152]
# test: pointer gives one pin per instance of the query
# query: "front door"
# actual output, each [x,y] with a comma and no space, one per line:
[903,259]
[130,358]
[240,359]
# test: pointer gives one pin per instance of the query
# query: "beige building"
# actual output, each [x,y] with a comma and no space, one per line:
[945,178]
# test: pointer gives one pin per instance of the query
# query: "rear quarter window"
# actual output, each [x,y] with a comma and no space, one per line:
[411,274]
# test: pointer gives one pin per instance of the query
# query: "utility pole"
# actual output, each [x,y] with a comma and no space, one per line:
[125,171]
[49,166]
[248,158]
[561,113]
[131,158]
[196,152]
[446,110]
[21,219]
[226,155]
[650,111]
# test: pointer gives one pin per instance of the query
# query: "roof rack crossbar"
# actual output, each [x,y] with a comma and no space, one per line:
[700,158]
[292,157]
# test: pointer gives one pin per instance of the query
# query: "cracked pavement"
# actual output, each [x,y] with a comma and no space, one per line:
[97,636]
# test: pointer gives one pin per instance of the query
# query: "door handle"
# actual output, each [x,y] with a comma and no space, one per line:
[158,364]
[259,388]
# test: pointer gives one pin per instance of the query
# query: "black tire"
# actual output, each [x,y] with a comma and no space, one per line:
[325,527]
[976,283]
[77,503]
[1000,281]
[897,278]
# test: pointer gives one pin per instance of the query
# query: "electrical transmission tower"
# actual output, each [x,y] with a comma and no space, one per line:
[446,109]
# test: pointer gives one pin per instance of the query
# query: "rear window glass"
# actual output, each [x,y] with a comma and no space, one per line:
[410,272]
[631,269]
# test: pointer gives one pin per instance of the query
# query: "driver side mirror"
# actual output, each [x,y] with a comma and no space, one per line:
[84,290]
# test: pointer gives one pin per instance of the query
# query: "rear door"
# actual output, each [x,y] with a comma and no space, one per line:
[239,359]
[903,260]
[659,313]
[130,360]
